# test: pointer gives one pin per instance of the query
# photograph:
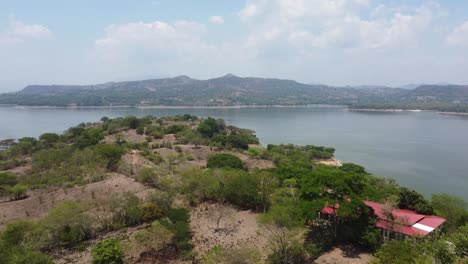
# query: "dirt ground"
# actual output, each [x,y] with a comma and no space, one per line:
[130,136]
[236,228]
[331,162]
[40,201]
[83,256]
[344,255]
[200,156]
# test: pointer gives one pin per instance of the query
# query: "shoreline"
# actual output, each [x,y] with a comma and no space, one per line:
[173,107]
[232,107]
[406,110]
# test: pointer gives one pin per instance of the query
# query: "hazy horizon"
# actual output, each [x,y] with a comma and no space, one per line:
[336,42]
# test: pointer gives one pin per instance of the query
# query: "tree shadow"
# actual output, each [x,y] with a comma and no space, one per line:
[351,251]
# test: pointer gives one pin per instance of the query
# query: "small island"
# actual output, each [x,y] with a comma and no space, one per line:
[184,189]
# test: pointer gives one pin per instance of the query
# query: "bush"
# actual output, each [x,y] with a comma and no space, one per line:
[146,176]
[107,252]
[49,138]
[174,129]
[412,200]
[155,158]
[140,130]
[224,161]
[7,178]
[155,238]
[127,210]
[399,252]
[210,126]
[232,256]
[150,212]
[66,224]
[157,134]
[178,149]
[18,191]
[241,189]
[110,153]
[28,256]
[292,254]
[255,152]
[179,226]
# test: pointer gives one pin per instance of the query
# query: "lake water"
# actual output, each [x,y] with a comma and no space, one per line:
[422,150]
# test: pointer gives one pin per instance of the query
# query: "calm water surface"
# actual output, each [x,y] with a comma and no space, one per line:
[422,150]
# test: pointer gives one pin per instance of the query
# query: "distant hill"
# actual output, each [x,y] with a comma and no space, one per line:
[228,90]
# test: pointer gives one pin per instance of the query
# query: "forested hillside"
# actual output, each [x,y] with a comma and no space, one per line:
[231,90]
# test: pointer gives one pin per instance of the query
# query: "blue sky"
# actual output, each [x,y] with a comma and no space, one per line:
[337,42]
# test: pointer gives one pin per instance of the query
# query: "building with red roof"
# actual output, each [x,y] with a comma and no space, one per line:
[394,223]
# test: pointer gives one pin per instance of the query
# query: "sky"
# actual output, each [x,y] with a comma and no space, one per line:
[335,42]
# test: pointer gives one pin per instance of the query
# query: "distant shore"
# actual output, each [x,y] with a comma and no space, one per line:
[228,107]
[172,107]
[405,110]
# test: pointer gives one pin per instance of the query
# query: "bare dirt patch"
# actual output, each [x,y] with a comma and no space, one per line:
[344,255]
[20,170]
[40,201]
[330,162]
[132,162]
[236,229]
[130,136]
[168,138]
[200,155]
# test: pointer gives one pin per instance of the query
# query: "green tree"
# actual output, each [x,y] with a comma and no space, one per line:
[49,138]
[110,153]
[452,208]
[412,200]
[240,189]
[351,167]
[224,161]
[107,251]
[66,224]
[22,233]
[210,126]
[131,122]
[266,186]
[127,210]
[401,252]
[460,241]
[7,179]
[90,137]
[25,145]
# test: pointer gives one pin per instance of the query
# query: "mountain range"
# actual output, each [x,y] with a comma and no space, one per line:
[231,90]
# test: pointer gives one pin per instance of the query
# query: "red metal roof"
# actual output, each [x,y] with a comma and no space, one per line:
[398,220]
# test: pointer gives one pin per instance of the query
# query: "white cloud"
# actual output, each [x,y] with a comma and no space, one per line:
[335,23]
[459,36]
[20,29]
[162,47]
[217,20]
[157,34]
[18,32]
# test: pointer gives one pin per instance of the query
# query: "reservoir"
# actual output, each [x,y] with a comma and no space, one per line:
[426,151]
